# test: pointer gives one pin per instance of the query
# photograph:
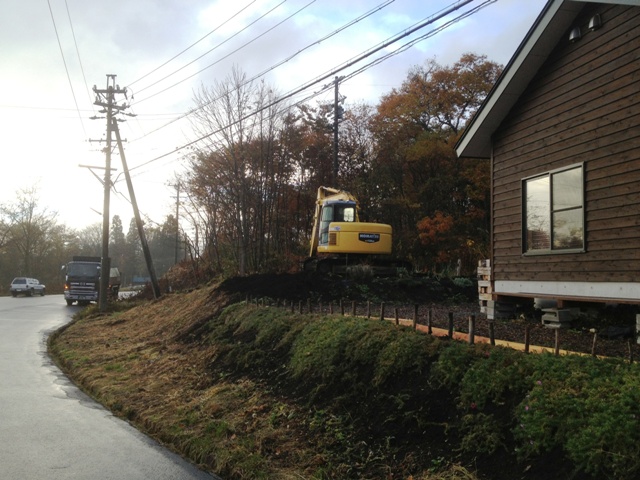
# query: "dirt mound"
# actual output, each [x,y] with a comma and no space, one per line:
[319,287]
[289,286]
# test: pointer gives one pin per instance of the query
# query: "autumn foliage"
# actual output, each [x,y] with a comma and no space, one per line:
[253,182]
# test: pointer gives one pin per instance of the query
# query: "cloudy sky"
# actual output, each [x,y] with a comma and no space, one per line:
[52,53]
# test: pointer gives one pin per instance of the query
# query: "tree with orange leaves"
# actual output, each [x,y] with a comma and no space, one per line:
[423,187]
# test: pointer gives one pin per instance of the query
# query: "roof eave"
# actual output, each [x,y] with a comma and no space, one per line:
[544,35]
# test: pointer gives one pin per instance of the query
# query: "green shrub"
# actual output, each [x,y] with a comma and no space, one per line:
[405,354]
[481,433]
[501,374]
[453,362]
[374,374]
[588,409]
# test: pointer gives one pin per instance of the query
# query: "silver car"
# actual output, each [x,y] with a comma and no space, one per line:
[26,286]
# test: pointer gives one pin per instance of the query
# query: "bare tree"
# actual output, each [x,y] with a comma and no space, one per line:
[28,229]
[237,173]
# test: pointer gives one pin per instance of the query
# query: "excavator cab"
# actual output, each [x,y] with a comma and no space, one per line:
[336,211]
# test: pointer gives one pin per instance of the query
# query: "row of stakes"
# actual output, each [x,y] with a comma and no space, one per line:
[450,330]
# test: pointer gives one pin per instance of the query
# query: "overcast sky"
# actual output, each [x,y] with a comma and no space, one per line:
[53,52]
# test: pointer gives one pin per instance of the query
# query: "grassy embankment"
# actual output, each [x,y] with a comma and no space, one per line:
[259,392]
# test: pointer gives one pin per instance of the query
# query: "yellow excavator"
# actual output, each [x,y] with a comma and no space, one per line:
[340,240]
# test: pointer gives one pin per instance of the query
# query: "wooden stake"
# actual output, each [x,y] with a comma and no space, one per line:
[382,311]
[557,342]
[492,333]
[395,315]
[593,345]
[368,309]
[429,325]
[450,324]
[415,317]
[353,308]
[472,329]
[527,338]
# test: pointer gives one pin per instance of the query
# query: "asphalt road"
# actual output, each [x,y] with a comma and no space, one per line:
[51,430]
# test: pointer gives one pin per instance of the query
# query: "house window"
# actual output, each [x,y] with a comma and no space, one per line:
[554,212]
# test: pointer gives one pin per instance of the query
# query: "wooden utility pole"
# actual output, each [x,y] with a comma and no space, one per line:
[337,115]
[177,245]
[106,99]
[143,238]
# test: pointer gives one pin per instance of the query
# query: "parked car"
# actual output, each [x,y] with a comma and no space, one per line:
[26,286]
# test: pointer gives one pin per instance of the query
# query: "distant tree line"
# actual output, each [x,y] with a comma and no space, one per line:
[34,244]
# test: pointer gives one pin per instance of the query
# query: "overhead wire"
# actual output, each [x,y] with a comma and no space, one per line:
[73,93]
[281,62]
[204,54]
[397,51]
[75,43]
[400,49]
[390,41]
[230,53]
[430,20]
[416,40]
[407,45]
[193,44]
[209,51]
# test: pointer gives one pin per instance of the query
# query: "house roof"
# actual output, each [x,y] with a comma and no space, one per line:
[553,22]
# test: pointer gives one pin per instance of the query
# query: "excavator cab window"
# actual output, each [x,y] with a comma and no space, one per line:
[327,218]
[337,212]
[345,213]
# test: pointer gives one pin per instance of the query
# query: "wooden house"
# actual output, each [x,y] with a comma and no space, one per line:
[561,129]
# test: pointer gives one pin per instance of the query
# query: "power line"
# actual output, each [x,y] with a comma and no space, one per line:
[282,62]
[52,109]
[217,46]
[194,44]
[73,93]
[414,41]
[75,42]
[399,50]
[434,18]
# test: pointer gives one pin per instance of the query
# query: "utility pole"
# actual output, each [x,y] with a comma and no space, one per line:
[143,238]
[106,99]
[337,115]
[175,260]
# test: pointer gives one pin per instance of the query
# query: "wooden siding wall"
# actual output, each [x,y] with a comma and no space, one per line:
[582,106]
